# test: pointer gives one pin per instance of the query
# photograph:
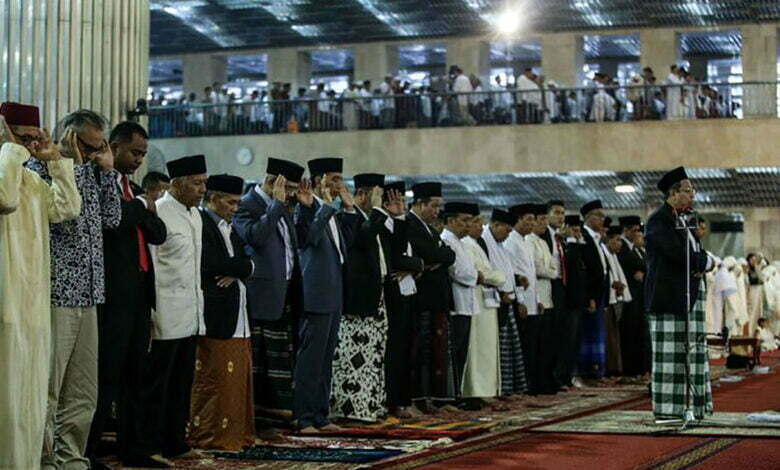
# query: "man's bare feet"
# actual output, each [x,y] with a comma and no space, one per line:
[308,430]
[331,427]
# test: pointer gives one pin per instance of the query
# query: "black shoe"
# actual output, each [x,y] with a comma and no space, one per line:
[97,465]
[147,461]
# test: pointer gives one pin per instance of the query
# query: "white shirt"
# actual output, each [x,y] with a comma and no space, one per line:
[522,259]
[556,253]
[463,274]
[334,230]
[545,269]
[530,90]
[499,260]
[616,274]
[462,84]
[242,326]
[179,311]
[487,294]
[289,256]
[597,239]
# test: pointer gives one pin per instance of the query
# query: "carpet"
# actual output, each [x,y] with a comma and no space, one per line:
[308,454]
[641,422]
[455,431]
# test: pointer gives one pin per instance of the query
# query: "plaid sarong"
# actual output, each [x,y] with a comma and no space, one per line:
[513,380]
[667,336]
[274,349]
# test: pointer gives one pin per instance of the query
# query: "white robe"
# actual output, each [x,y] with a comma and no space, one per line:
[27,206]
[522,259]
[463,274]
[482,374]
[546,270]
[772,293]
[674,105]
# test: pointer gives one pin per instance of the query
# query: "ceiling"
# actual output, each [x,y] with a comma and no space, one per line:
[204,25]
[716,188]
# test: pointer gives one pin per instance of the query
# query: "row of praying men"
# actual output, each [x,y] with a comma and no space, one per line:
[297,297]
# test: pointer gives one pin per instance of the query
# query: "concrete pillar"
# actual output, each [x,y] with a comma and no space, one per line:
[660,48]
[472,55]
[289,65]
[374,61]
[562,58]
[699,67]
[759,64]
[202,70]
[62,55]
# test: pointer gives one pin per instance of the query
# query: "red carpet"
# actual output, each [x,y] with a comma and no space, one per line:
[621,452]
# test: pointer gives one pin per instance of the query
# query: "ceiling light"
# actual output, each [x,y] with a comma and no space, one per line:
[409,193]
[625,188]
[508,22]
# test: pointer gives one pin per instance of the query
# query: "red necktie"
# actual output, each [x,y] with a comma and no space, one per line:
[562,258]
[143,256]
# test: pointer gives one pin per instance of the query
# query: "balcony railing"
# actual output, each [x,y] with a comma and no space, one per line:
[482,108]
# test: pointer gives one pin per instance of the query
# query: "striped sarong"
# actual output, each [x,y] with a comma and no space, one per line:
[274,347]
[593,352]
[667,336]
[513,380]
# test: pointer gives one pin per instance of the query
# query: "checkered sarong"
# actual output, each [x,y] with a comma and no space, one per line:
[667,335]
[513,380]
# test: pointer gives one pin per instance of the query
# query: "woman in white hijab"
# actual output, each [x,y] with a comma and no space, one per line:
[740,271]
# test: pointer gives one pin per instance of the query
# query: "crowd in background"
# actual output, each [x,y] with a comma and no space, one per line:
[455,100]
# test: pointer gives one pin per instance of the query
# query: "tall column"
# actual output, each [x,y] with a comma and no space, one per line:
[562,58]
[289,65]
[472,55]
[202,70]
[62,55]
[759,64]
[660,48]
[374,61]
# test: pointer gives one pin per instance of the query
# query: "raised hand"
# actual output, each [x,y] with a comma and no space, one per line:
[45,149]
[395,203]
[105,159]
[323,191]
[304,193]
[346,198]
[5,132]
[69,147]
[280,189]
[376,196]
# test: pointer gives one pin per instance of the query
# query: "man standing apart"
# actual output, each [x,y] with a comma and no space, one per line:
[178,316]
[674,259]
[27,206]
[78,286]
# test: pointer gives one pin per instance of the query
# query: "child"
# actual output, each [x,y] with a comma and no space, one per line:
[765,337]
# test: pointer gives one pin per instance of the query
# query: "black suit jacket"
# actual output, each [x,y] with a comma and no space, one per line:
[120,248]
[221,305]
[666,247]
[364,278]
[577,294]
[631,264]
[433,287]
[597,281]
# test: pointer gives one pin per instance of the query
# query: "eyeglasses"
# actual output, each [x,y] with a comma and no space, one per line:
[90,150]
[26,139]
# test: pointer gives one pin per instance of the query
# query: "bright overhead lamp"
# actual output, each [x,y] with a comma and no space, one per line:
[508,22]
[625,188]
[409,193]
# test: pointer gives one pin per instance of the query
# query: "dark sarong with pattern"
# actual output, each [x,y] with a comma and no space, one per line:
[593,352]
[667,335]
[432,375]
[274,346]
[513,379]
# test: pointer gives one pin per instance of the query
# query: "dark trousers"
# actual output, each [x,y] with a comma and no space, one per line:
[123,339]
[557,332]
[167,394]
[460,329]
[398,365]
[570,335]
[318,335]
[535,336]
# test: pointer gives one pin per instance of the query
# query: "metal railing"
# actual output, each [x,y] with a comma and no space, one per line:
[483,108]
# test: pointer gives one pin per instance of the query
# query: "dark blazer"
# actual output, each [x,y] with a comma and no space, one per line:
[597,284]
[364,278]
[577,293]
[631,264]
[221,305]
[120,248]
[321,268]
[433,287]
[665,281]
[257,224]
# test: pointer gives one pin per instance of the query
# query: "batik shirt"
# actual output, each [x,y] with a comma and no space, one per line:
[77,271]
